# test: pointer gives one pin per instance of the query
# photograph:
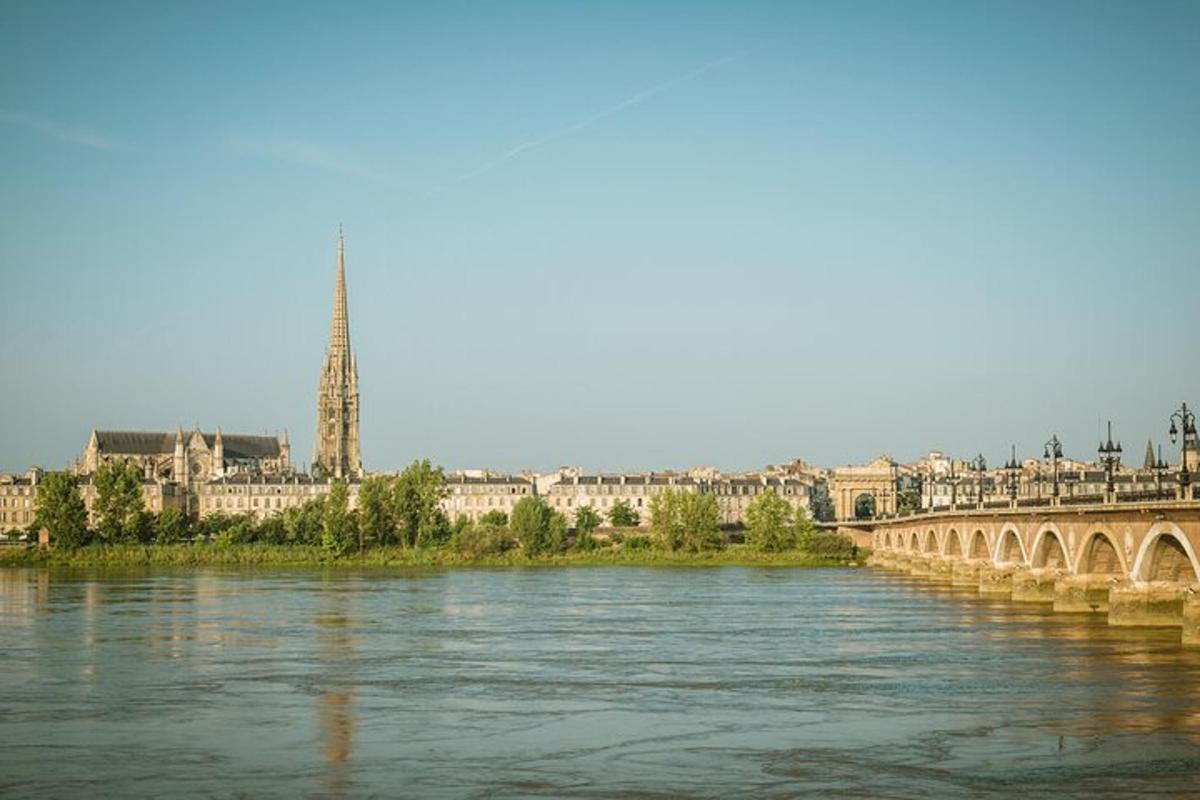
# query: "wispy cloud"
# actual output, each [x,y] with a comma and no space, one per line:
[587,122]
[296,151]
[72,134]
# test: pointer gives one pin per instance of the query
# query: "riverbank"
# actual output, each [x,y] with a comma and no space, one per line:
[201,555]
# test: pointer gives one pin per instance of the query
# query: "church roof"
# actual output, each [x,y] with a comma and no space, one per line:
[135,442]
[158,443]
[236,445]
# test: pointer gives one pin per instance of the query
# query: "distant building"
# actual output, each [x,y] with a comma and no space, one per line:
[186,458]
[473,495]
[17,494]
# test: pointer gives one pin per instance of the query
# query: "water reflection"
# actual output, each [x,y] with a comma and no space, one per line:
[335,702]
[561,683]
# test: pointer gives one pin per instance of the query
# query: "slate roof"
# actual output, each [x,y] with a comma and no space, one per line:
[148,443]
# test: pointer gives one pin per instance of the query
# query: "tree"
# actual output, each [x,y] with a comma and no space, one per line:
[686,520]
[770,523]
[337,531]
[305,524]
[418,495]
[820,502]
[376,510]
[170,527]
[120,515]
[701,521]
[495,517]
[622,515]
[908,500]
[482,539]
[587,519]
[59,509]
[539,529]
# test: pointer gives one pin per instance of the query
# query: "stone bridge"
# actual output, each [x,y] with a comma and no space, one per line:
[1135,562]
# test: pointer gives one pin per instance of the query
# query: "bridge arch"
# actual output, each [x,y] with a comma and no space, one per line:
[1099,554]
[1009,547]
[913,543]
[1166,555]
[953,545]
[979,547]
[931,542]
[1050,549]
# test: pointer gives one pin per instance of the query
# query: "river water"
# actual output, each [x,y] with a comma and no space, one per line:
[583,682]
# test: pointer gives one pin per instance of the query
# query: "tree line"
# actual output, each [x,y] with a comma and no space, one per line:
[406,511]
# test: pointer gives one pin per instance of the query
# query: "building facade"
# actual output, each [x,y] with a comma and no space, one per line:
[338,452]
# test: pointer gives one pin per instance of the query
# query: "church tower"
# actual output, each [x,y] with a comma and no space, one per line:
[338,453]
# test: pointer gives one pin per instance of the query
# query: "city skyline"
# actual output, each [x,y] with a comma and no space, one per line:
[904,241]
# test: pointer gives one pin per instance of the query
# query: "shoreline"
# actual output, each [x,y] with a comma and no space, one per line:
[257,555]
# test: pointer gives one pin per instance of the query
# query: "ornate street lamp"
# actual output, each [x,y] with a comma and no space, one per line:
[953,485]
[1160,468]
[1053,454]
[978,466]
[1014,475]
[1110,457]
[1187,422]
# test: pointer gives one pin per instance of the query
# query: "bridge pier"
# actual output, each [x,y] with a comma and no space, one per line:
[996,581]
[1033,586]
[965,573]
[1191,617]
[941,569]
[1158,604]
[920,566]
[1082,593]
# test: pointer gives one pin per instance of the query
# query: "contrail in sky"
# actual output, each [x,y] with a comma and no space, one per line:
[587,122]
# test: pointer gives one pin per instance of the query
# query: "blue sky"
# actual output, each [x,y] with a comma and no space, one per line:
[620,235]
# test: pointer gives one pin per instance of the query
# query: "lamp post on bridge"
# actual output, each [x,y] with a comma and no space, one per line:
[1160,468]
[1187,422]
[953,486]
[1053,453]
[1014,476]
[979,466]
[1110,457]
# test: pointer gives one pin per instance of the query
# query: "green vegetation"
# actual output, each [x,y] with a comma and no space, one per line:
[493,550]
[399,521]
[688,521]
[622,515]
[120,514]
[59,508]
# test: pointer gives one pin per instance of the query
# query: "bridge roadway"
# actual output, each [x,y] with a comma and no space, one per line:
[1135,562]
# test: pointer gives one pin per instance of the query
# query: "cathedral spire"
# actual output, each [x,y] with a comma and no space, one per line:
[337,445]
[339,332]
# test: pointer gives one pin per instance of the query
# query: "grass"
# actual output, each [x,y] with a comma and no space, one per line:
[263,555]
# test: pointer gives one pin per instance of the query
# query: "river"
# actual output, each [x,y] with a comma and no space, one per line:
[579,682]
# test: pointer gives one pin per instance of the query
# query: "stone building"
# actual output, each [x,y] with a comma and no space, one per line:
[18,498]
[472,496]
[735,494]
[157,496]
[262,495]
[187,458]
[17,494]
[338,451]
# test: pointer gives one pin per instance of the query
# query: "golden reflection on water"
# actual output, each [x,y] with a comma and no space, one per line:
[1142,678]
[336,715]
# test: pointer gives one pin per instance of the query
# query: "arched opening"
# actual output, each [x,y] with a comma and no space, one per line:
[1100,556]
[930,542]
[1010,548]
[1050,553]
[979,546]
[913,544]
[953,543]
[1169,561]
[864,506]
